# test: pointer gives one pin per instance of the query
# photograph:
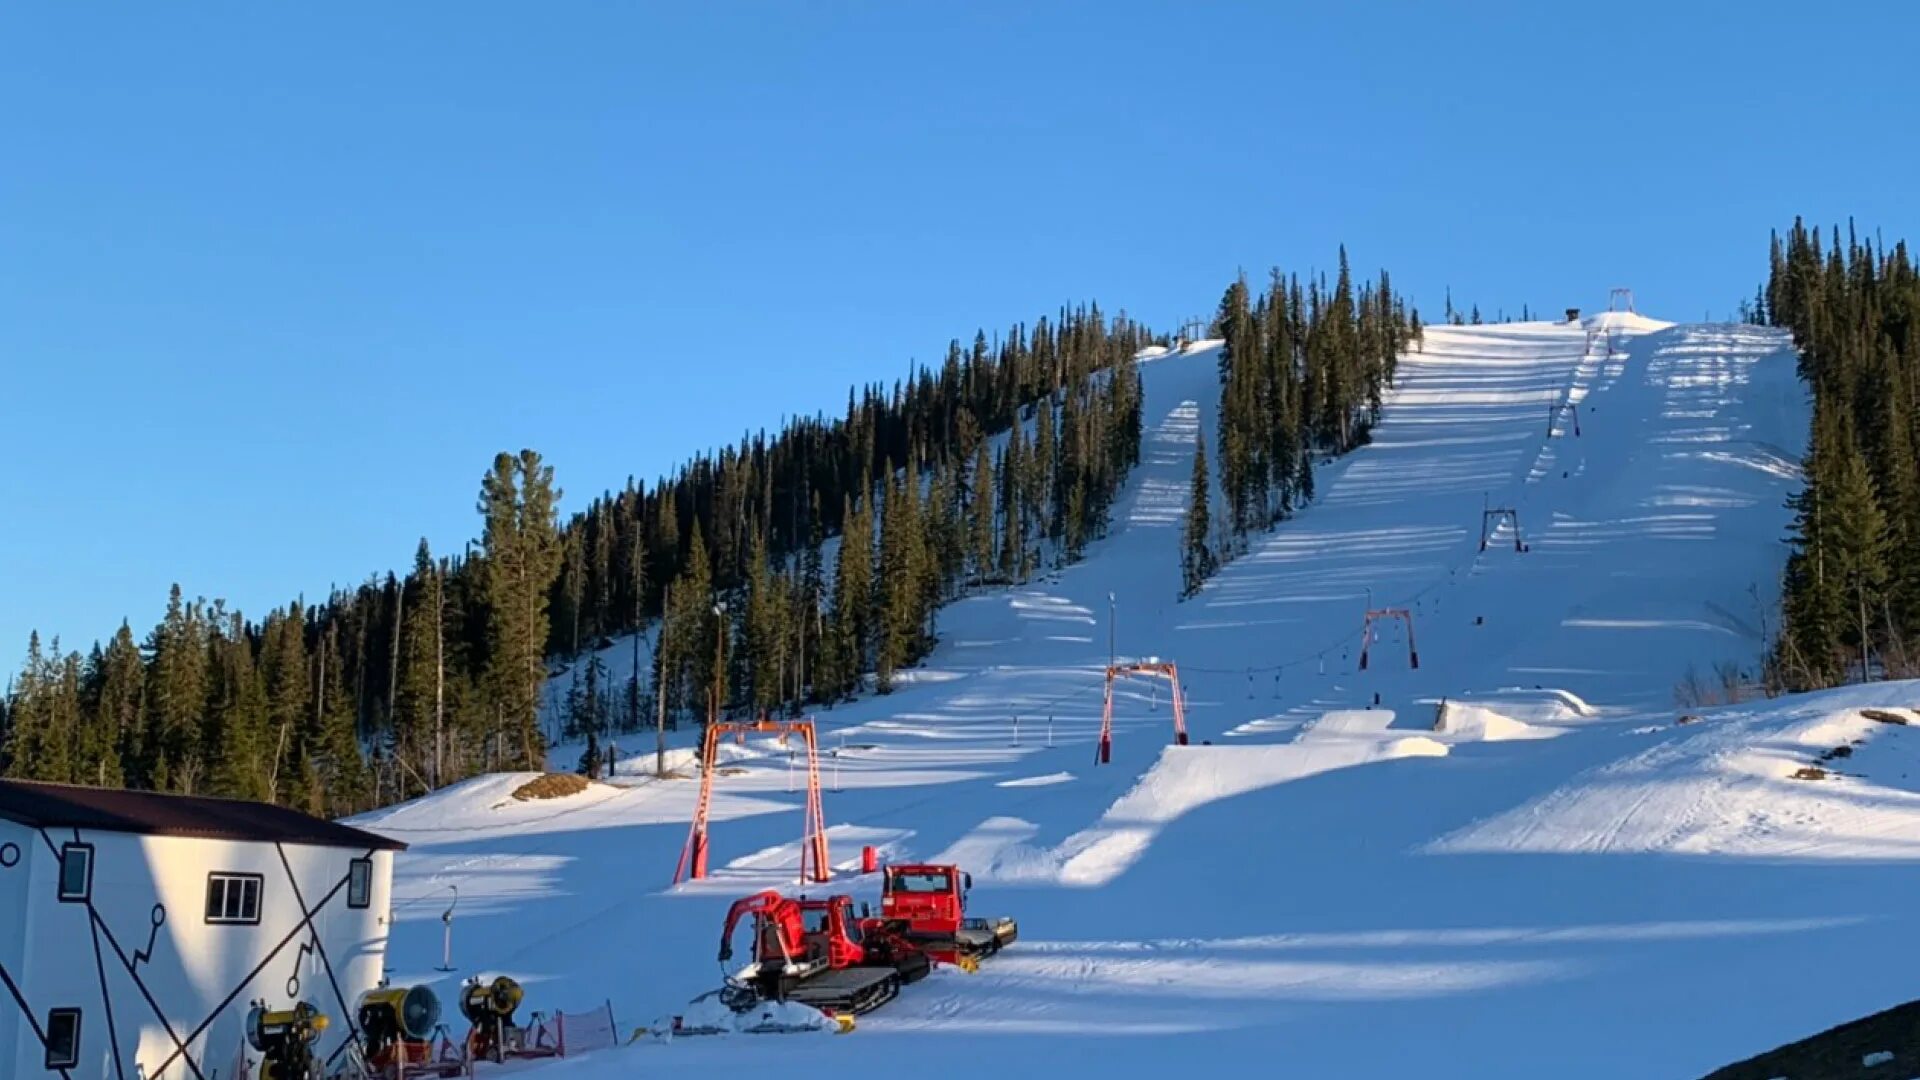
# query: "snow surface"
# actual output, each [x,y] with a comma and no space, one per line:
[1559,880]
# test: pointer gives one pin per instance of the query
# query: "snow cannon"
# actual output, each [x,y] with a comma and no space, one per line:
[284,1039]
[483,1002]
[490,1006]
[397,1024]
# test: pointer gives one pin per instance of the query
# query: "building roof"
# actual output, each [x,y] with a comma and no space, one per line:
[69,806]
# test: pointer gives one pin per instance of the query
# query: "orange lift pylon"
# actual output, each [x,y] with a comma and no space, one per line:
[813,836]
[1151,669]
[1375,615]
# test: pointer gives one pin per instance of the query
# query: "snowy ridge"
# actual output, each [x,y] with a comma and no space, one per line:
[1549,882]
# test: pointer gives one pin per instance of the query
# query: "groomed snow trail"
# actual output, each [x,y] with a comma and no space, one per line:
[1557,882]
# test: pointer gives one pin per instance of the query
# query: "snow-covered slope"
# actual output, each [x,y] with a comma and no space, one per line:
[1506,862]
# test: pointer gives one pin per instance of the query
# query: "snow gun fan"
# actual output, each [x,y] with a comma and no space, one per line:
[397,1028]
[490,1008]
[284,1039]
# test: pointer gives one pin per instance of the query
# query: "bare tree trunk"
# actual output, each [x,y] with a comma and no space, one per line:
[1861,592]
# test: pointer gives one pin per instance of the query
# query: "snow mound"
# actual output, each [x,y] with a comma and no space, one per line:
[1630,322]
[1037,781]
[705,1015]
[1415,746]
[1188,777]
[1478,723]
[1724,787]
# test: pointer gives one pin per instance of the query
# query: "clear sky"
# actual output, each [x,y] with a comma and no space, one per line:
[277,280]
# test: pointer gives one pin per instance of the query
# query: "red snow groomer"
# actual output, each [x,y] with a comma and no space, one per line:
[817,953]
[927,905]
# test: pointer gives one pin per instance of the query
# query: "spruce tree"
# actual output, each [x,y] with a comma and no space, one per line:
[289,693]
[522,556]
[119,707]
[1196,552]
[27,751]
[981,538]
[177,694]
[420,706]
[237,738]
[337,769]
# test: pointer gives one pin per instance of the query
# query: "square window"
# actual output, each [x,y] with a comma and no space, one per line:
[233,898]
[63,1038]
[76,873]
[360,883]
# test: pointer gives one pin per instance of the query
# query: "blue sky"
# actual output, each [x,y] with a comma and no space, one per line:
[278,280]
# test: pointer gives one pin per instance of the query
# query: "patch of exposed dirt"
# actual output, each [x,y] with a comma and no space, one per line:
[1808,772]
[554,785]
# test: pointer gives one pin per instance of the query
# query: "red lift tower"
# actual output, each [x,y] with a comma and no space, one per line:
[813,835]
[1153,669]
[1378,615]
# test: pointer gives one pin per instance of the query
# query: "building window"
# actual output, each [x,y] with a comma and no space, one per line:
[76,873]
[233,898]
[360,883]
[63,1038]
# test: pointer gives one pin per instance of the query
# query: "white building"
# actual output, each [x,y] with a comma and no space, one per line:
[137,928]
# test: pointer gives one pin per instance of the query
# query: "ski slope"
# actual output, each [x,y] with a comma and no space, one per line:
[1555,880]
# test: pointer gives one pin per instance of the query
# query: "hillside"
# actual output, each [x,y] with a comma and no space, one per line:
[1559,881]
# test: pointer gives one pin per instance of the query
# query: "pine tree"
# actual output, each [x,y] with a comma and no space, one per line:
[692,631]
[1196,552]
[119,707]
[289,693]
[420,705]
[981,539]
[1013,535]
[336,758]
[177,694]
[236,739]
[522,556]
[852,589]
[766,621]
[32,751]
[1858,545]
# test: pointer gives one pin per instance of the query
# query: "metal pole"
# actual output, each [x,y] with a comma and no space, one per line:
[1016,731]
[1111,652]
[446,937]
[1049,732]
